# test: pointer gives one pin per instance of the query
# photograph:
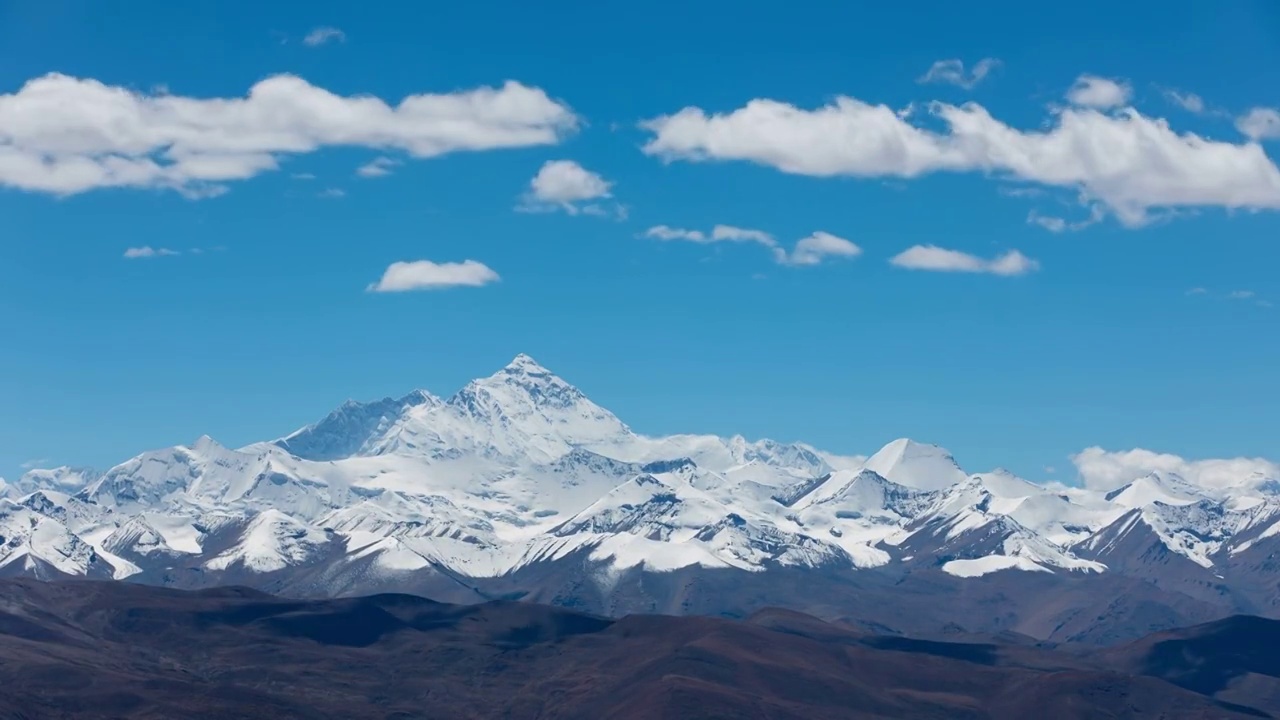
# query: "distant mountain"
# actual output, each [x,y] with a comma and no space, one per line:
[519,485]
[106,650]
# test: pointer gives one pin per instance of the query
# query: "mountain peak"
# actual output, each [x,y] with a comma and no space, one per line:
[525,365]
[916,465]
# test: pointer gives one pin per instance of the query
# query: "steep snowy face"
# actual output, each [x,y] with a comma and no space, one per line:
[353,428]
[919,466]
[522,411]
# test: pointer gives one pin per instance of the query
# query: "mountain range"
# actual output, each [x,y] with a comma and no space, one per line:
[519,486]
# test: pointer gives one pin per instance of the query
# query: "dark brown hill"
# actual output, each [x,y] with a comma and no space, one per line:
[116,650]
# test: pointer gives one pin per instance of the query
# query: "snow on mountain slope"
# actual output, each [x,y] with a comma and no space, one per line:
[522,411]
[968,522]
[35,544]
[671,511]
[520,468]
[353,427]
[915,465]
[1150,489]
[271,541]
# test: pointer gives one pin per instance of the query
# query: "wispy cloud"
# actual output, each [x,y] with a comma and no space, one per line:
[952,72]
[1190,102]
[303,176]
[378,167]
[332,193]
[932,258]
[1249,296]
[427,275]
[34,463]
[146,251]
[1060,225]
[324,35]
[811,250]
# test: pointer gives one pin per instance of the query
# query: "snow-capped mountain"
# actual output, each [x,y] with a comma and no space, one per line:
[519,474]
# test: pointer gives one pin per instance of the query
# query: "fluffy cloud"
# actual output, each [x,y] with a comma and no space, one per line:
[1260,124]
[146,251]
[66,135]
[935,259]
[427,275]
[1100,469]
[952,72]
[377,167]
[566,185]
[817,247]
[1127,162]
[323,35]
[1099,92]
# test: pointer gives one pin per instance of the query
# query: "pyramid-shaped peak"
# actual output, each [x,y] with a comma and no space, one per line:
[525,364]
[916,465]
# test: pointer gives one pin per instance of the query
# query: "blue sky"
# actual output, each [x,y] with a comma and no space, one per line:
[1091,335]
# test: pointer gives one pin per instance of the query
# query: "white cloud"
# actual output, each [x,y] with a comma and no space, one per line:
[729,233]
[66,135]
[146,251]
[1260,124]
[1129,163]
[815,248]
[952,72]
[427,275]
[667,233]
[719,233]
[34,463]
[811,250]
[1100,469]
[322,35]
[1187,101]
[377,167]
[1099,92]
[566,185]
[332,193]
[1060,225]
[1242,295]
[935,259]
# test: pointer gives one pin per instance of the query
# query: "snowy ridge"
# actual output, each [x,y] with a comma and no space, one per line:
[520,470]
